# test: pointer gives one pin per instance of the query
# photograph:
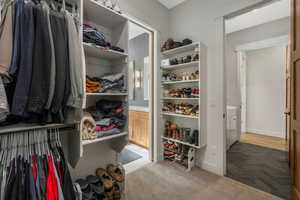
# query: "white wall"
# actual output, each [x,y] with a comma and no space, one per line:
[265,91]
[261,32]
[150,12]
[202,20]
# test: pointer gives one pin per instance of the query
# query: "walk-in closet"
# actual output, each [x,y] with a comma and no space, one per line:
[63,107]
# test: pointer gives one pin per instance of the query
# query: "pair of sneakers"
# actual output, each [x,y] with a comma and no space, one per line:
[91,188]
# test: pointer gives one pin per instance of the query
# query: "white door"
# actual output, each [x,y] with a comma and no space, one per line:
[243,80]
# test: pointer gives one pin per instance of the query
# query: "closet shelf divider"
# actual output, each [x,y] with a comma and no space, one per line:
[182,49]
[107,94]
[97,51]
[30,127]
[179,66]
[105,138]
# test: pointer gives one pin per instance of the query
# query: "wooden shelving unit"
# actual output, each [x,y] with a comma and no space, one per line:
[189,121]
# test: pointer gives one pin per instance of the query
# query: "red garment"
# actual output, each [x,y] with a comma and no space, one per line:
[105,128]
[33,166]
[51,185]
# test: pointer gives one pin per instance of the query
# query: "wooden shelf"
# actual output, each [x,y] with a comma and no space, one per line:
[99,14]
[106,94]
[98,52]
[105,138]
[180,115]
[181,142]
[179,82]
[28,127]
[179,66]
[182,49]
[175,98]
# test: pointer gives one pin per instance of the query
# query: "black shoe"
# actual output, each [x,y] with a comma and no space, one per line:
[187,41]
[195,137]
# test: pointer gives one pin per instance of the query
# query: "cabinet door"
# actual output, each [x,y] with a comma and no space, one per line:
[131,125]
[141,129]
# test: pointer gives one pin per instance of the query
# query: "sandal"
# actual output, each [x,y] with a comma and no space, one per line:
[117,172]
[105,178]
[116,192]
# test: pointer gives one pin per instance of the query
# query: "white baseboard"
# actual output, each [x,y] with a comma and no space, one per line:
[266,132]
[210,167]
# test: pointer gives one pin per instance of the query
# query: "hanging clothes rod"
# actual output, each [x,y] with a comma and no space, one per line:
[29,127]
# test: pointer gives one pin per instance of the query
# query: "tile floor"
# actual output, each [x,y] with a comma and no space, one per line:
[260,167]
[140,163]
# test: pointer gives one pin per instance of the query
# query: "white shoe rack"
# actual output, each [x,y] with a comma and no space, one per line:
[187,121]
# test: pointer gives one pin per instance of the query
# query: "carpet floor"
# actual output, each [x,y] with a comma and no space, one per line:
[260,167]
[165,180]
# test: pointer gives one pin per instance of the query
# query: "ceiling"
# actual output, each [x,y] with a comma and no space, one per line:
[274,11]
[135,30]
[171,3]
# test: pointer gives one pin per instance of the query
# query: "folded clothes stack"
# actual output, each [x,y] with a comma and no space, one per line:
[107,83]
[92,86]
[109,117]
[93,36]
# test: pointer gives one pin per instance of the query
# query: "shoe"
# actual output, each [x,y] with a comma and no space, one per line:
[117,194]
[105,178]
[187,41]
[187,59]
[87,193]
[116,172]
[96,186]
[177,45]
[196,57]
[195,138]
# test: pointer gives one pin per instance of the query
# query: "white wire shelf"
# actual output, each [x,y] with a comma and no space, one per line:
[180,115]
[184,65]
[181,142]
[105,138]
[179,82]
[107,94]
[100,14]
[97,51]
[175,98]
[182,49]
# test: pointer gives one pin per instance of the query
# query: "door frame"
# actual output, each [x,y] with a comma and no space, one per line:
[153,109]
[295,122]
[222,34]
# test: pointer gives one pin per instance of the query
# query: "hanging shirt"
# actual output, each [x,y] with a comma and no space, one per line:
[76,69]
[6,40]
[51,186]
[16,56]
[4,110]
[23,84]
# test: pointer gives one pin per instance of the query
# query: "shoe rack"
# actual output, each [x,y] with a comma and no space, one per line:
[177,78]
[97,62]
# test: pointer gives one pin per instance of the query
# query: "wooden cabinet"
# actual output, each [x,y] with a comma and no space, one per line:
[139,128]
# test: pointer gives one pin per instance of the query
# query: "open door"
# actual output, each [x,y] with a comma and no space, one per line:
[295,99]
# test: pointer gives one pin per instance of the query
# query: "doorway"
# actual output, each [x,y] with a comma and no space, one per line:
[138,152]
[256,63]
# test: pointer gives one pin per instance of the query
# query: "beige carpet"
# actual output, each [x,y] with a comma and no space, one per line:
[167,181]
